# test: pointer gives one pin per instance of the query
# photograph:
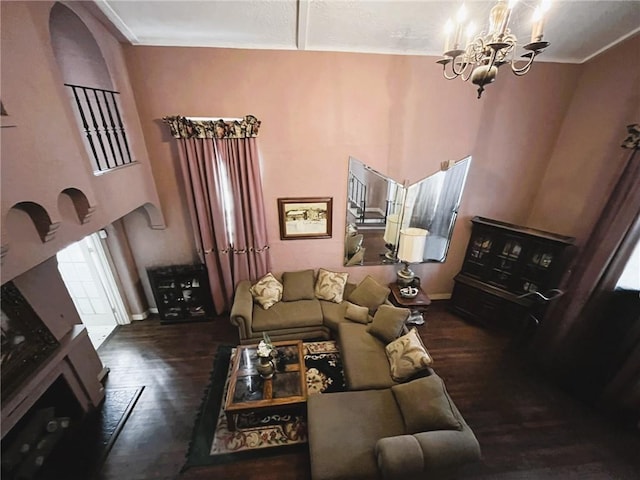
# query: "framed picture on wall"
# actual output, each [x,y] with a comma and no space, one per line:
[305,217]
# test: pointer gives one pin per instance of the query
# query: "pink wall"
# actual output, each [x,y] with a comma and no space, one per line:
[587,155]
[395,113]
[44,155]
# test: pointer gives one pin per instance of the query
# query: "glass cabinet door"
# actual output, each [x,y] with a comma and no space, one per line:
[478,255]
[537,267]
[506,261]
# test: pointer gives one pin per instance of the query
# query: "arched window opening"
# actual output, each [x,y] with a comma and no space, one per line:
[91,91]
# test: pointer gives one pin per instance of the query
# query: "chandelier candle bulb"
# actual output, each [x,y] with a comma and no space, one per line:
[448,29]
[496,18]
[470,32]
[538,25]
[460,18]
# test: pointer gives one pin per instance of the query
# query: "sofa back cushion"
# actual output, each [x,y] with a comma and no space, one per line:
[388,322]
[426,405]
[369,293]
[298,285]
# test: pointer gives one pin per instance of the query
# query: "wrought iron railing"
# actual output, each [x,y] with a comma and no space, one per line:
[357,193]
[103,126]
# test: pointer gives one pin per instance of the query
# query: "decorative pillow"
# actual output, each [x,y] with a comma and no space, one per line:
[425,405]
[298,286]
[330,285]
[407,356]
[357,313]
[370,294]
[267,291]
[388,322]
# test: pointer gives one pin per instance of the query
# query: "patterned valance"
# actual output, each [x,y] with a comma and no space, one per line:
[183,127]
[633,138]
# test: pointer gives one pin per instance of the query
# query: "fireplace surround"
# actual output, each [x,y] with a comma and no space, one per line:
[37,306]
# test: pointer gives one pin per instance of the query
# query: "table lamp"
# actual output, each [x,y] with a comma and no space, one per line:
[391,235]
[410,250]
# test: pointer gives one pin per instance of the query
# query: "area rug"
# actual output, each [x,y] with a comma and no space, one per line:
[258,435]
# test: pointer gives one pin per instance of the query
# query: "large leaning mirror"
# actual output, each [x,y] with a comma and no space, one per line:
[379,208]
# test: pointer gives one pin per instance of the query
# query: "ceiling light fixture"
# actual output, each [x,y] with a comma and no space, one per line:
[483,54]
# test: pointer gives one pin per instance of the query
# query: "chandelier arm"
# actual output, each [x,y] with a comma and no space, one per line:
[525,68]
[461,71]
[470,72]
[492,58]
[448,77]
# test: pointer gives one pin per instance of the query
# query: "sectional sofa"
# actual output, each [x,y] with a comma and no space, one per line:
[396,419]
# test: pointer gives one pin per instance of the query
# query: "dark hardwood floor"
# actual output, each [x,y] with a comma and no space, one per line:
[527,428]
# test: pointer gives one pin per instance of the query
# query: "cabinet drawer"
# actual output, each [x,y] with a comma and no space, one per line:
[487,309]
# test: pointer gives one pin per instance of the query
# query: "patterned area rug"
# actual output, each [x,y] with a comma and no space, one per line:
[259,434]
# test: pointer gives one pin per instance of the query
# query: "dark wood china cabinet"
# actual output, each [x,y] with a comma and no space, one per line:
[504,266]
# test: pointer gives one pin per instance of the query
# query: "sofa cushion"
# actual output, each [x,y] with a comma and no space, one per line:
[426,406]
[284,315]
[369,293]
[344,429]
[333,314]
[388,322]
[267,291]
[363,358]
[357,313]
[407,356]
[298,286]
[330,285]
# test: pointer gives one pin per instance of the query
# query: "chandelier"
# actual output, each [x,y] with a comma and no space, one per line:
[483,54]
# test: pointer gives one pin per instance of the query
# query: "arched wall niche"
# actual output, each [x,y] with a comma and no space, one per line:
[156,218]
[76,51]
[41,219]
[81,204]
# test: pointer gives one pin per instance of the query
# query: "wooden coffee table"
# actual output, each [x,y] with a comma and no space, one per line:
[248,392]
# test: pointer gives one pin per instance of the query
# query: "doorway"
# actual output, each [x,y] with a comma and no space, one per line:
[86,272]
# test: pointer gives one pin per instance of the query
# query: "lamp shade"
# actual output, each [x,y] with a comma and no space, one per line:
[391,229]
[412,242]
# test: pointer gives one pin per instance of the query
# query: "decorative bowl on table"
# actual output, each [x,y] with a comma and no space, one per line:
[409,292]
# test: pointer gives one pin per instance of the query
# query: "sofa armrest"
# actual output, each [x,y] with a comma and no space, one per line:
[407,456]
[242,309]
[442,449]
[399,457]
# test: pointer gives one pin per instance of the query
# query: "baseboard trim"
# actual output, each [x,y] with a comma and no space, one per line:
[153,310]
[140,316]
[103,374]
[440,296]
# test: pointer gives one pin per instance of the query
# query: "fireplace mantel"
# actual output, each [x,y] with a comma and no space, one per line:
[76,361]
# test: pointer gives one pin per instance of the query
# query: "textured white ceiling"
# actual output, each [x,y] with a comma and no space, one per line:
[577,30]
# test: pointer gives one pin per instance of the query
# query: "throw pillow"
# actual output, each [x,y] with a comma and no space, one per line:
[425,405]
[388,322]
[330,285]
[370,294]
[407,356]
[298,286]
[357,313]
[267,291]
